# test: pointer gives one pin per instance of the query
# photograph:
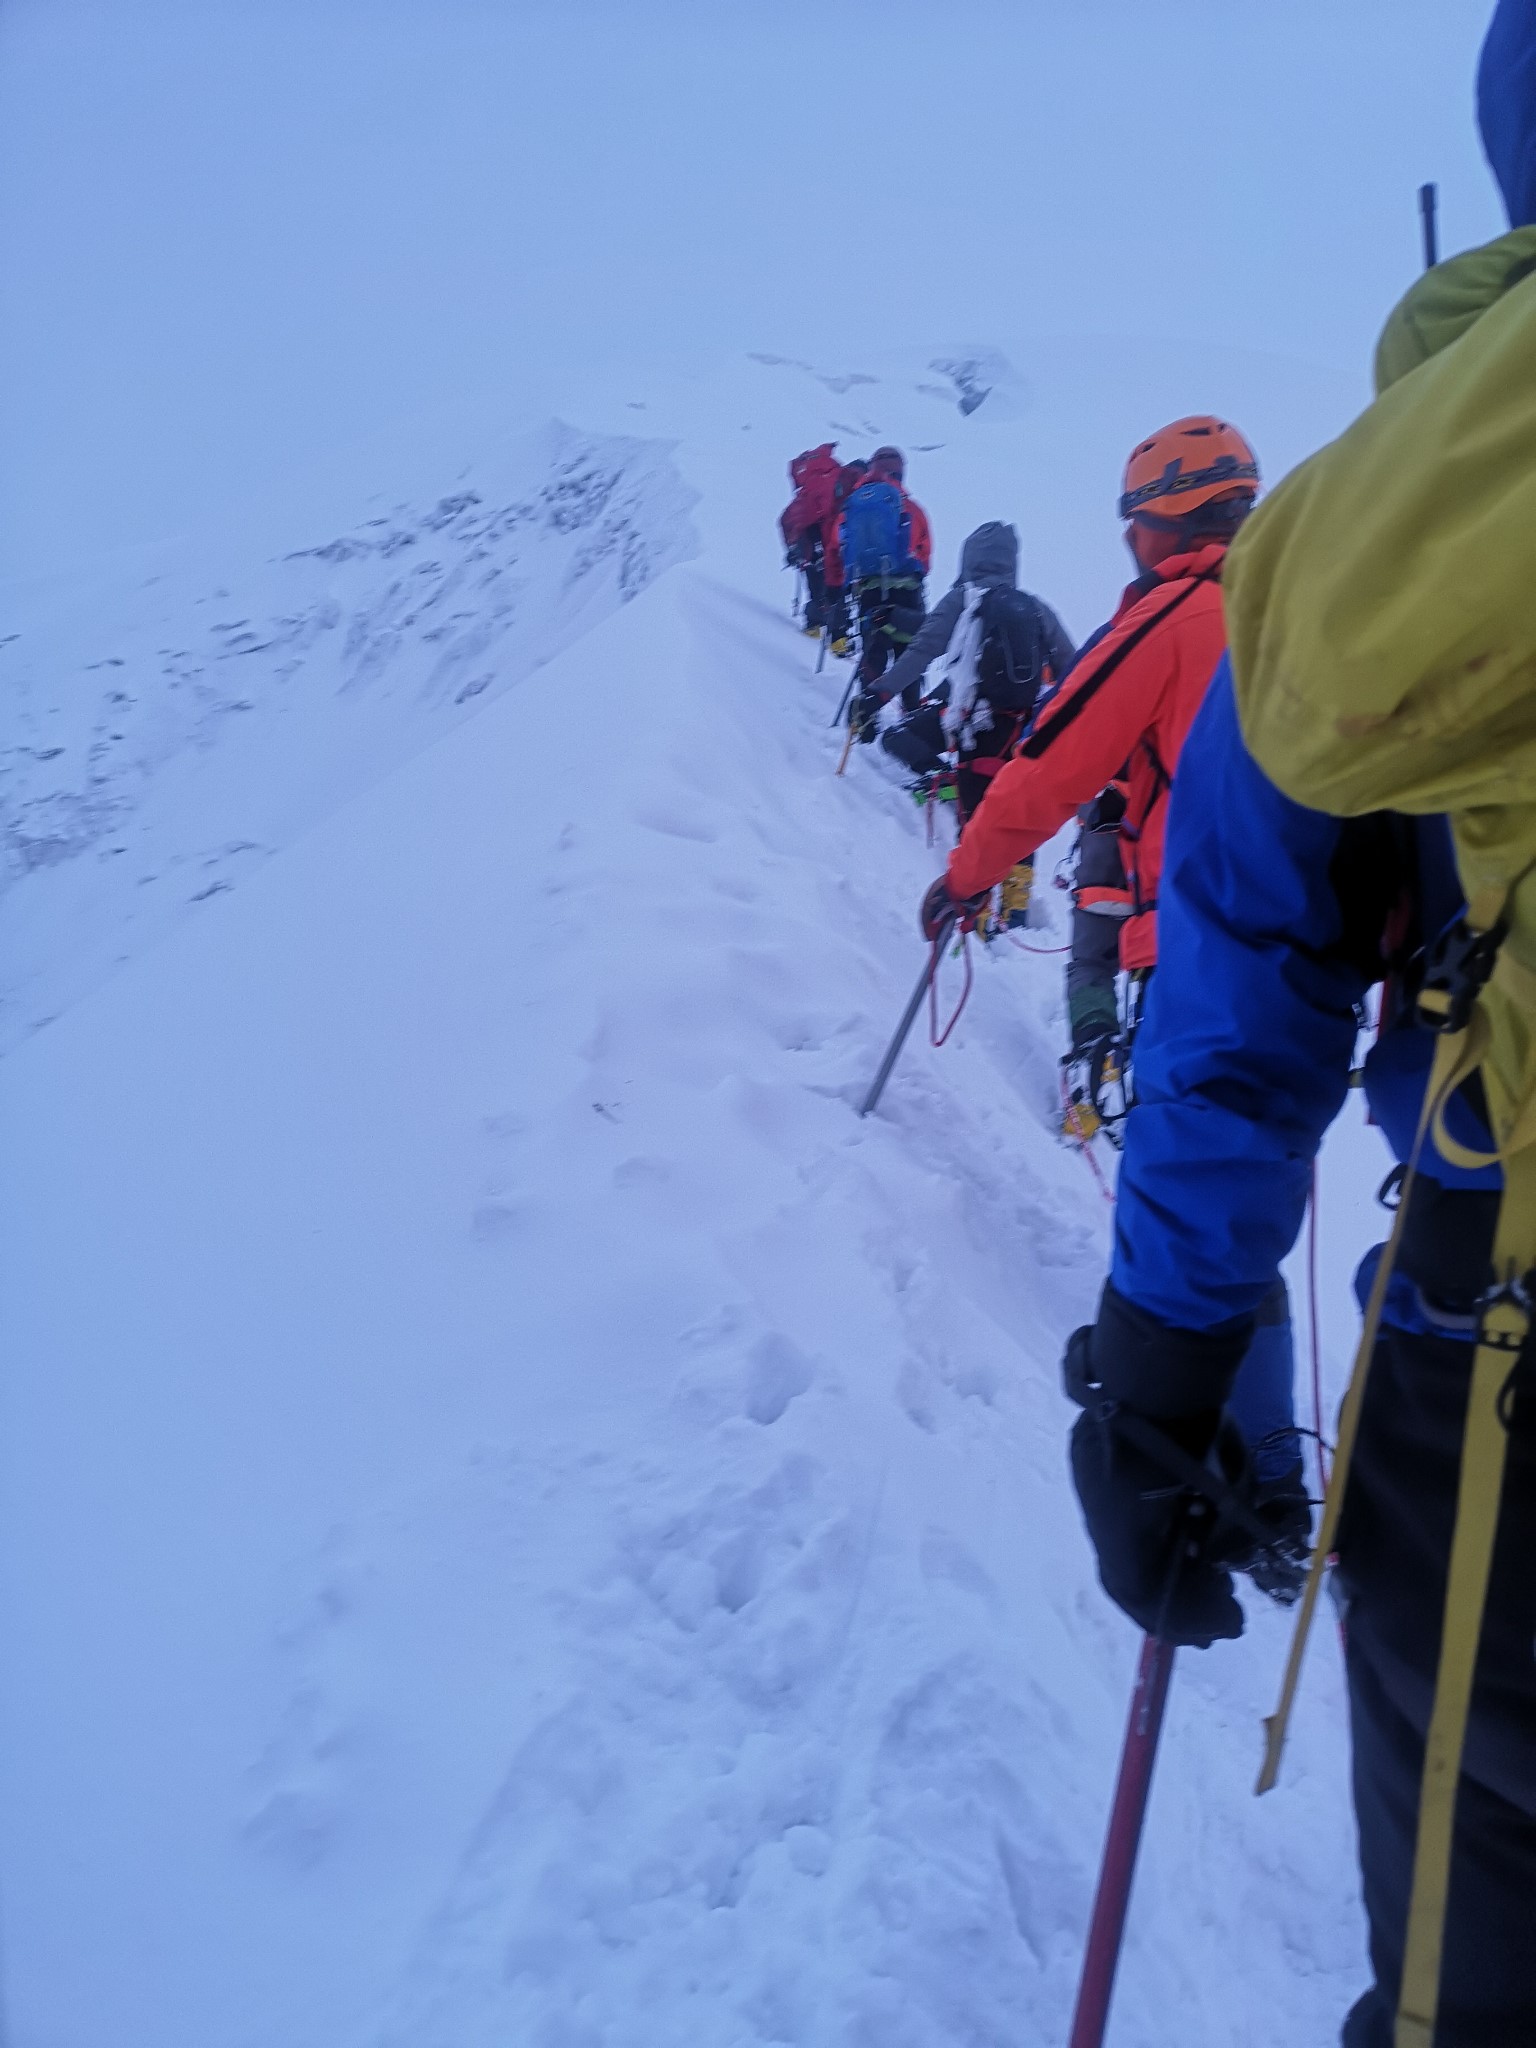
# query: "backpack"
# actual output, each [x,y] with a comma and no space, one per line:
[1383,641]
[993,664]
[1012,658]
[876,534]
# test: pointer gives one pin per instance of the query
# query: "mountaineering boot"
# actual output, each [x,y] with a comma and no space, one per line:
[1080,1121]
[1281,1569]
[932,789]
[841,646]
[1092,1084]
[1013,899]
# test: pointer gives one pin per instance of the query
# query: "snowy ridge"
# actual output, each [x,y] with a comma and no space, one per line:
[168,739]
[554,1531]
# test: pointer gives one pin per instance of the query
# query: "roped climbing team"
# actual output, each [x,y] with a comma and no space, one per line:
[1254,923]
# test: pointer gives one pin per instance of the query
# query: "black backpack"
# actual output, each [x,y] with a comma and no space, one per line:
[1011,663]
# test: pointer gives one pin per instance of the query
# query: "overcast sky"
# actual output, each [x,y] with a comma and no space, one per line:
[234,232]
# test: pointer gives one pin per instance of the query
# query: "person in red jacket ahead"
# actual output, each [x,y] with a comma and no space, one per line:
[1133,692]
[806,524]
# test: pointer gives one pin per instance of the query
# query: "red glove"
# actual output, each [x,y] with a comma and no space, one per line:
[940,909]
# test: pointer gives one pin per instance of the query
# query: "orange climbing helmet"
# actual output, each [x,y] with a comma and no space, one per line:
[1187,465]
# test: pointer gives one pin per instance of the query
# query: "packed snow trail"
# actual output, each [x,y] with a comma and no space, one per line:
[525,1519]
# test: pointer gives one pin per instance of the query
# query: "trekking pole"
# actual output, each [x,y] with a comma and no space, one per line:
[908,1015]
[1429,196]
[853,676]
[821,652]
[847,747]
[1106,1930]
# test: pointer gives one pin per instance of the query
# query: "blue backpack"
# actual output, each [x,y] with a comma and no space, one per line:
[876,533]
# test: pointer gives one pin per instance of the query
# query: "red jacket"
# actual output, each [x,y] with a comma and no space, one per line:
[813,475]
[921,540]
[1133,695]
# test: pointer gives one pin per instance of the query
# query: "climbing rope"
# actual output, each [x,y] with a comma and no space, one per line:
[935,1036]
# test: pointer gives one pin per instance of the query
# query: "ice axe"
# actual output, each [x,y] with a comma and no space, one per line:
[909,1014]
[1106,1930]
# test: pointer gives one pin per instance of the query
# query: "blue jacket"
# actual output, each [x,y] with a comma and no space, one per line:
[1506,99]
[1244,1055]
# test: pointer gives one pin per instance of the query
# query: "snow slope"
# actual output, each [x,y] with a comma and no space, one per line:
[524,1520]
[127,797]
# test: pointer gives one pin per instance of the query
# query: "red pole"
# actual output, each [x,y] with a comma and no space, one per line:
[1107,1927]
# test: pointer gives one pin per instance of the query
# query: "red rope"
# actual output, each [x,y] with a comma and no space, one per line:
[935,1036]
[1317,1348]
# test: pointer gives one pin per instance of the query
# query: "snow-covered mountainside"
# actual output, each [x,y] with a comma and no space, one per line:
[525,1520]
[163,739]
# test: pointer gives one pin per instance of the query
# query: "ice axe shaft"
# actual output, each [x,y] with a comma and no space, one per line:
[908,1017]
[1106,1930]
[1429,197]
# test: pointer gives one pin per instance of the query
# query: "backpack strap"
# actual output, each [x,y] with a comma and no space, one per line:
[1056,722]
[1502,1332]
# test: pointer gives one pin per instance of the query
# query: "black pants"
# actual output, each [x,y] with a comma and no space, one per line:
[889,615]
[1092,1008]
[1393,1550]
[1092,971]
[918,741]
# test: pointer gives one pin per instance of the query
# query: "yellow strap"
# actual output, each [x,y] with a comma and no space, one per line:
[1471,1045]
[1505,1326]
[1445,1074]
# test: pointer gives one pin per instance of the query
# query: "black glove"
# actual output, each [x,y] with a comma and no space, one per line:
[864,714]
[939,908]
[1167,1496]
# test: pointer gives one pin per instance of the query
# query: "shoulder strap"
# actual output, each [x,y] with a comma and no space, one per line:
[1056,724]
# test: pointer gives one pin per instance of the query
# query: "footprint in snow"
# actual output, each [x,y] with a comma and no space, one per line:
[677,825]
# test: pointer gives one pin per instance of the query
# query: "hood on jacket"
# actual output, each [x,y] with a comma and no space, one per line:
[815,461]
[1448,300]
[1506,105]
[990,556]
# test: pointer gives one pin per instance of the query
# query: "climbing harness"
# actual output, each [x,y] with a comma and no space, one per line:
[1448,1002]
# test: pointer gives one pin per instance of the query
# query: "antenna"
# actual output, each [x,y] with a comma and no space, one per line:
[1428,200]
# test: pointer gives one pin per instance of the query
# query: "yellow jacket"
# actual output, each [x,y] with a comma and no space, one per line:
[1381,608]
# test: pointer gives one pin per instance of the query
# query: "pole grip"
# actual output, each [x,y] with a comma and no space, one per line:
[1429,199]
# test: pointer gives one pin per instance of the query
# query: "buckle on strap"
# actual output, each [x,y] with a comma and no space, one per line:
[1456,970]
[1504,1315]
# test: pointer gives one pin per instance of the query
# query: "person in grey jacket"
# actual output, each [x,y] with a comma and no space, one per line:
[997,647]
